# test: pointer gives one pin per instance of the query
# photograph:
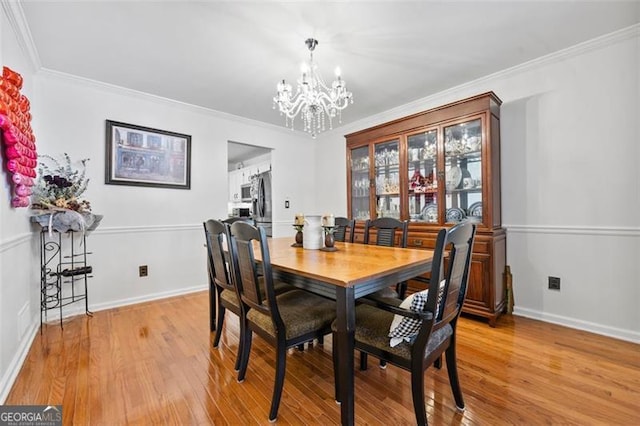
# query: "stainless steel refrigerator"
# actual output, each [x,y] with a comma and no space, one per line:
[262,201]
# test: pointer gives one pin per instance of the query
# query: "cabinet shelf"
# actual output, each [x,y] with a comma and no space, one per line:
[427,192]
[465,190]
[473,155]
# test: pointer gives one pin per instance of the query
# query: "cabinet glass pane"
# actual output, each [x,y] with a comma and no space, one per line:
[360,183]
[463,171]
[387,177]
[422,174]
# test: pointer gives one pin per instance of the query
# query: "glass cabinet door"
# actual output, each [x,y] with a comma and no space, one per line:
[360,183]
[387,178]
[463,171]
[422,176]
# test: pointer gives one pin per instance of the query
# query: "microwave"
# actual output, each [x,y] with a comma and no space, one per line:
[240,212]
[245,193]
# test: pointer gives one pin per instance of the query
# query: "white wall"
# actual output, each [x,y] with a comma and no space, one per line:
[18,274]
[570,129]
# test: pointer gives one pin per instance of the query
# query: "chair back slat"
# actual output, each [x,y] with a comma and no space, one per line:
[215,232]
[256,291]
[386,237]
[387,229]
[248,275]
[344,231]
[455,283]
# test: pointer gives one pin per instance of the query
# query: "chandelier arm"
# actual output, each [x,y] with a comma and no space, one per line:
[294,110]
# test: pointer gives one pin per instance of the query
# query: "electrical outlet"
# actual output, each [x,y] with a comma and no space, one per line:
[554,283]
[143,270]
[286,204]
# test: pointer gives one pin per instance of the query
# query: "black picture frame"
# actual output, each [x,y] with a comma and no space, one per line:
[142,156]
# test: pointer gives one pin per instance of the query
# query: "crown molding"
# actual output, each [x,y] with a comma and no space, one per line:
[124,91]
[453,93]
[15,16]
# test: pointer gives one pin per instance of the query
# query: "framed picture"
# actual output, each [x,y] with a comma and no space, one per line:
[141,156]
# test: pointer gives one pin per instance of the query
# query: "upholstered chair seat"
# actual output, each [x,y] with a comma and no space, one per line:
[230,298]
[373,328]
[301,313]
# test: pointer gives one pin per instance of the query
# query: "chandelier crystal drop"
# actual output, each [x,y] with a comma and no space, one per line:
[313,99]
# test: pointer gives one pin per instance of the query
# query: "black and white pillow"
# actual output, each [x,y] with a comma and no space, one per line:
[403,328]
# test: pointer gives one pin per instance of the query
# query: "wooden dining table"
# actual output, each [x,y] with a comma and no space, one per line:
[350,272]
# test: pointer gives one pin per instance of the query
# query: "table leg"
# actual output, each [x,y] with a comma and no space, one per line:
[346,321]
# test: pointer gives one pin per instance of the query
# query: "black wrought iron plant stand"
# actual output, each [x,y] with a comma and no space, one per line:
[63,269]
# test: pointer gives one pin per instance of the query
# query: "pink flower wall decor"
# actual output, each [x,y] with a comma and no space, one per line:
[19,142]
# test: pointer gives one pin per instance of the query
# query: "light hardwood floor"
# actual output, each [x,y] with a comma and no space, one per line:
[153,364]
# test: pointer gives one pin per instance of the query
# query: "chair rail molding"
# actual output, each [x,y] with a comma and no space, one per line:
[15,241]
[147,228]
[616,231]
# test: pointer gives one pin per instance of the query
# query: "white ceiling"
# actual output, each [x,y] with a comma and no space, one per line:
[228,56]
[240,152]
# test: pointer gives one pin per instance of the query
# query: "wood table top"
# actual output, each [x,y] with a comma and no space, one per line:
[351,264]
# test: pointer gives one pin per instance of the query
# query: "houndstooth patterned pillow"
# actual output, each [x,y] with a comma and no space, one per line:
[405,329]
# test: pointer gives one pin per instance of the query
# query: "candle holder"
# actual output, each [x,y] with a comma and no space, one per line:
[329,240]
[299,236]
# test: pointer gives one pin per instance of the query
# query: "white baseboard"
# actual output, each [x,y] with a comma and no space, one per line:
[147,298]
[16,363]
[618,333]
[54,315]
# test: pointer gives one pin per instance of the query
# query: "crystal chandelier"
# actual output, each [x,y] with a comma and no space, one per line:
[313,98]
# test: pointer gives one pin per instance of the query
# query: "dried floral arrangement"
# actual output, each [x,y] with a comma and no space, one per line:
[60,185]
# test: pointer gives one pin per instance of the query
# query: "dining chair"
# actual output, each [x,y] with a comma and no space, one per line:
[222,291]
[286,320]
[344,229]
[389,232]
[415,333]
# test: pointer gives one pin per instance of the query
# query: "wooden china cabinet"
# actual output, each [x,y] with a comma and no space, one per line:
[437,168]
